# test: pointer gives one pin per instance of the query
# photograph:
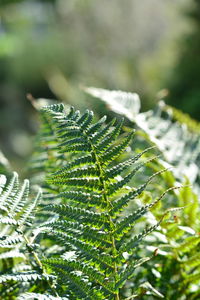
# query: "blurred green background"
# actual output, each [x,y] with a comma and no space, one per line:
[50,48]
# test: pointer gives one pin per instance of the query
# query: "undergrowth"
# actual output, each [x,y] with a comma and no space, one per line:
[84,235]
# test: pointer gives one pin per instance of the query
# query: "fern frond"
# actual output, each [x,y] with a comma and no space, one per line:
[101,133]
[12,254]
[20,199]
[28,276]
[89,220]
[109,138]
[95,127]
[113,152]
[55,108]
[128,273]
[163,126]
[120,167]
[38,296]
[8,221]
[113,188]
[79,196]
[89,251]
[76,163]
[130,245]
[19,211]
[80,215]
[20,264]
[123,201]
[10,241]
[87,270]
[86,233]
[76,281]
[85,120]
[86,171]
[10,190]
[28,213]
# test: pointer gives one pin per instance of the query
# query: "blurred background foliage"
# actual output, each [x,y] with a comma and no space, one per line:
[50,48]
[185,76]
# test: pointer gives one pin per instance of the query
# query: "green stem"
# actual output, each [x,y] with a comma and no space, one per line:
[112,225]
[109,205]
[38,261]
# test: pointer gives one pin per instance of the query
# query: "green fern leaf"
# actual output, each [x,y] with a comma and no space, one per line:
[106,142]
[116,170]
[91,272]
[113,152]
[80,215]
[101,133]
[76,163]
[79,196]
[128,273]
[74,279]
[28,276]
[123,201]
[92,235]
[38,296]
[10,241]
[93,129]
[90,223]
[130,245]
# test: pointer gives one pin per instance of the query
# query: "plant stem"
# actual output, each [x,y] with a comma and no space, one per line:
[112,225]
[109,205]
[38,261]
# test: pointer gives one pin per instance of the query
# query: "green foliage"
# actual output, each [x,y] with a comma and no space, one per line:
[177,274]
[87,222]
[175,134]
[90,223]
[19,263]
[184,79]
[95,231]
[35,37]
